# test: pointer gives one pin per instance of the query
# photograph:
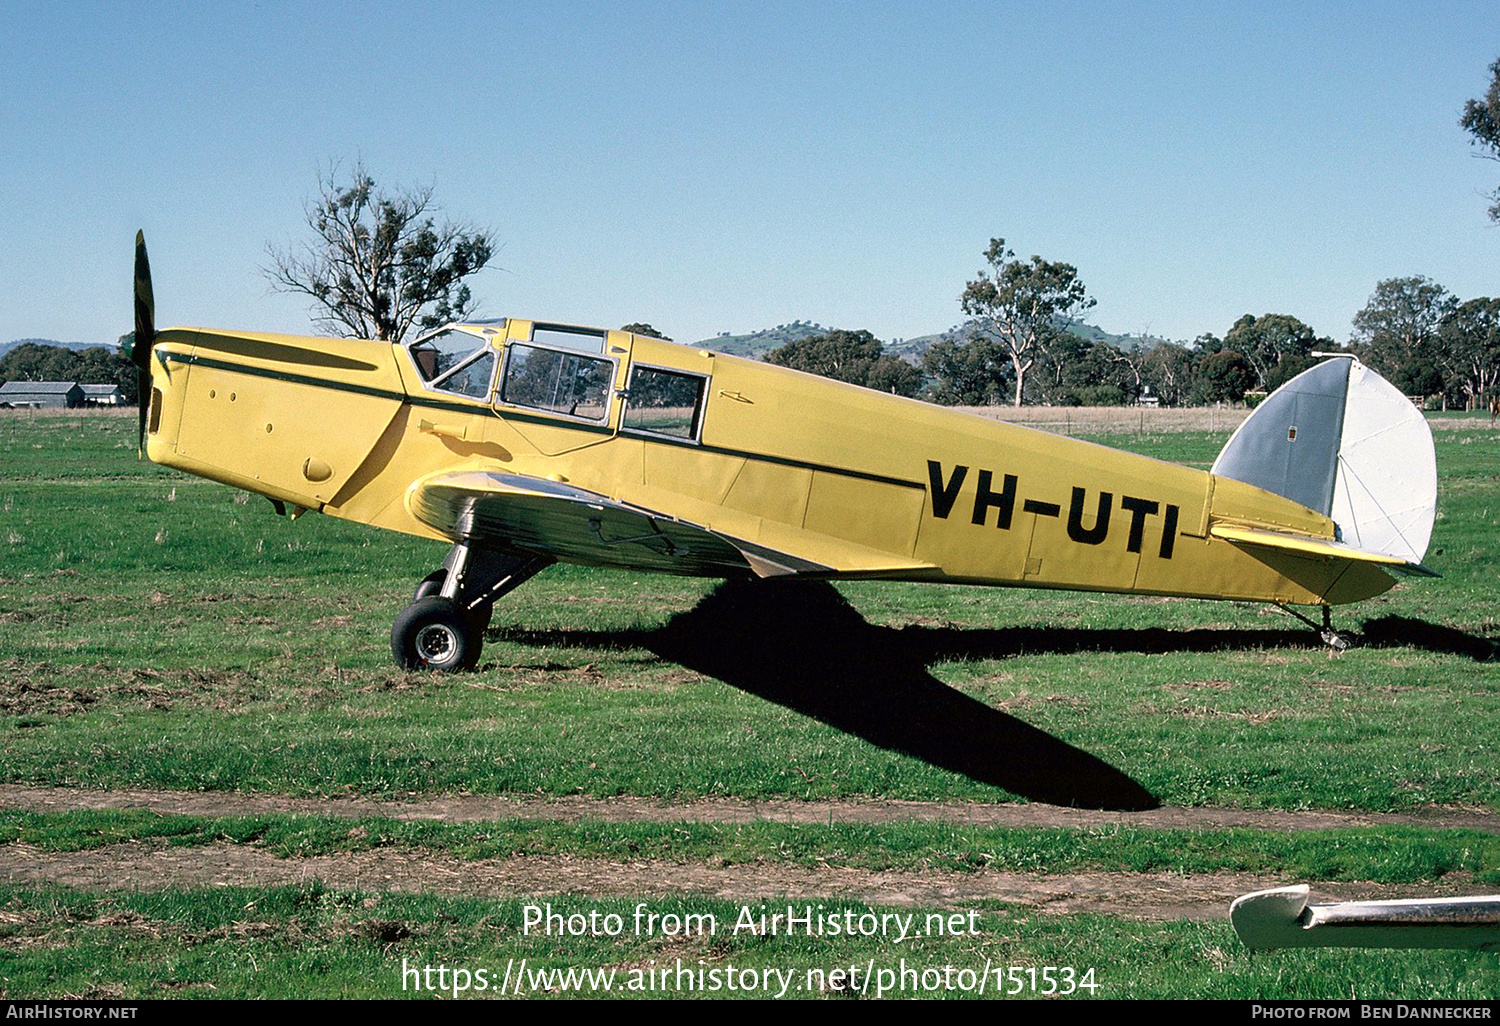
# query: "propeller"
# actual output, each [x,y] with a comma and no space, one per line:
[138,349]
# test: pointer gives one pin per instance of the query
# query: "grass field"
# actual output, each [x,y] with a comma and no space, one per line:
[163,634]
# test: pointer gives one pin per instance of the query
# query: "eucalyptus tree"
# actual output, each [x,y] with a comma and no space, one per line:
[1399,329]
[1020,306]
[1470,351]
[1275,345]
[379,263]
[1481,120]
[857,357]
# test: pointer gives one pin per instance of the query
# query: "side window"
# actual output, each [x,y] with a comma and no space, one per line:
[664,402]
[455,361]
[569,383]
[581,339]
[471,378]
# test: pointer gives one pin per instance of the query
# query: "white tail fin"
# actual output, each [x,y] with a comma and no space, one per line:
[1343,441]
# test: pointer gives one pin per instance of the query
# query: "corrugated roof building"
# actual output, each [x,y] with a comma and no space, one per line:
[57,395]
[103,395]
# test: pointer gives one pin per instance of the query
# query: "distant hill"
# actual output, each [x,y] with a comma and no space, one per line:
[756,344]
[1126,343]
[6,347]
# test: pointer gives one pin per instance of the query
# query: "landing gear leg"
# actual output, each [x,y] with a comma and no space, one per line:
[1334,639]
[443,628]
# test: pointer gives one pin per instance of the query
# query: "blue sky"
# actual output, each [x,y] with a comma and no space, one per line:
[727,166]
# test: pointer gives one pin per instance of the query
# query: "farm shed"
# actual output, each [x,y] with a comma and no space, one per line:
[42,394]
[103,395]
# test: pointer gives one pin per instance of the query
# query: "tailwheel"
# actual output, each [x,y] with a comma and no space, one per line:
[1335,639]
[433,633]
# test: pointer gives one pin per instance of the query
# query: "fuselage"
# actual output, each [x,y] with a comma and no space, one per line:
[860,482]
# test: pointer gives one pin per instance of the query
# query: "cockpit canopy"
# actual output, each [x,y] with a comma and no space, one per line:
[559,369]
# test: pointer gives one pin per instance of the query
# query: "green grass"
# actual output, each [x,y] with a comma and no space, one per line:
[312,942]
[158,631]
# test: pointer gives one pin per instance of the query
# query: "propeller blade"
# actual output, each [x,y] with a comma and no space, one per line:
[145,307]
[139,347]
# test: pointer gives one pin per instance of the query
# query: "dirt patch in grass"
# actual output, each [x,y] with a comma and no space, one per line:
[137,866]
[42,689]
[572,809]
[1157,896]
[1191,685]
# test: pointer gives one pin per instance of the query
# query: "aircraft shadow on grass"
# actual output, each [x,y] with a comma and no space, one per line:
[801,645]
[1404,632]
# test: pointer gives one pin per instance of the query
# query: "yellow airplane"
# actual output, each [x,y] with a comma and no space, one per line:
[526,442]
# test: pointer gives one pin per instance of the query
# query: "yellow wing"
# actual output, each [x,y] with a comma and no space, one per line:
[530,514]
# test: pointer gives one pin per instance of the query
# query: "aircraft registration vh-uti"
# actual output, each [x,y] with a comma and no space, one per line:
[523,443]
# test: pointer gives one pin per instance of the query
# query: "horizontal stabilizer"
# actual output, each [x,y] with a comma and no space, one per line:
[1304,545]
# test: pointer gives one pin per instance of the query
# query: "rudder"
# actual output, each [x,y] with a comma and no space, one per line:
[1343,441]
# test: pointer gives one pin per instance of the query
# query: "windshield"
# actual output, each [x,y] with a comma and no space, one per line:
[455,361]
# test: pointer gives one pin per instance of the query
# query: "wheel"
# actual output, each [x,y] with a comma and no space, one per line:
[1336,640]
[431,585]
[434,634]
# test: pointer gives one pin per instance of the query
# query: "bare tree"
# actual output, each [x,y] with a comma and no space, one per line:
[1168,369]
[379,263]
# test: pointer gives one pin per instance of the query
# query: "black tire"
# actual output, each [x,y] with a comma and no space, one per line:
[480,618]
[431,585]
[434,634]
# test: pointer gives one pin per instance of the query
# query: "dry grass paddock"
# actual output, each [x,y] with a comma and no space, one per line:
[1063,420]
[1114,420]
